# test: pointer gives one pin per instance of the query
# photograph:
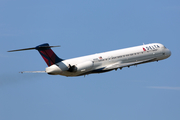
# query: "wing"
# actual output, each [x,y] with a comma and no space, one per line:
[122,64]
[32,72]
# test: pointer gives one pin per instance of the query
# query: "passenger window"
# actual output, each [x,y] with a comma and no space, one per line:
[147,48]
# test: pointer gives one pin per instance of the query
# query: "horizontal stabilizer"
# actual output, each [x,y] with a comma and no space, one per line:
[38,47]
[32,72]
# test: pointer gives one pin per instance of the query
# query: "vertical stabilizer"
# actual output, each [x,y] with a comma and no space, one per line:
[48,55]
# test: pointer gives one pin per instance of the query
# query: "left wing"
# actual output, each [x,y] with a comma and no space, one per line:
[32,72]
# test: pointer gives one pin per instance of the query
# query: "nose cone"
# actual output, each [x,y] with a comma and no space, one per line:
[168,53]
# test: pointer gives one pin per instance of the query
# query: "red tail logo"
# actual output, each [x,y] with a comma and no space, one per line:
[48,55]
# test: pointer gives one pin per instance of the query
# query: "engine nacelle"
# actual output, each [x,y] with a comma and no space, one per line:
[84,66]
[56,69]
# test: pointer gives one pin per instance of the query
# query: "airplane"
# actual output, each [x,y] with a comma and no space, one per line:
[101,62]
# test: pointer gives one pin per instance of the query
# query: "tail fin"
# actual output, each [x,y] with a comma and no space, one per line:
[48,55]
[45,50]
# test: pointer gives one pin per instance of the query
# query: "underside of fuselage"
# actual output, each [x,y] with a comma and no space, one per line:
[95,72]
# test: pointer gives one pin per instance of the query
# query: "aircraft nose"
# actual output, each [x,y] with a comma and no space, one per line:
[168,52]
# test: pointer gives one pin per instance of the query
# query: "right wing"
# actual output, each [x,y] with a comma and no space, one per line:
[121,64]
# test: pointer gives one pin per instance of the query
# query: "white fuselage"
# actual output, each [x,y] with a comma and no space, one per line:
[106,61]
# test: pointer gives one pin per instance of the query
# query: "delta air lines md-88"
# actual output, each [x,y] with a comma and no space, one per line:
[101,62]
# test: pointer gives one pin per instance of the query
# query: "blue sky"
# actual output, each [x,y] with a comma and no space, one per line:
[83,27]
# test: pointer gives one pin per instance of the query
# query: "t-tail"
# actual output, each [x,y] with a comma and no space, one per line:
[48,55]
[46,52]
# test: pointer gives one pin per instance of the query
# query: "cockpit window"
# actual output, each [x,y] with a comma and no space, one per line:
[163,46]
